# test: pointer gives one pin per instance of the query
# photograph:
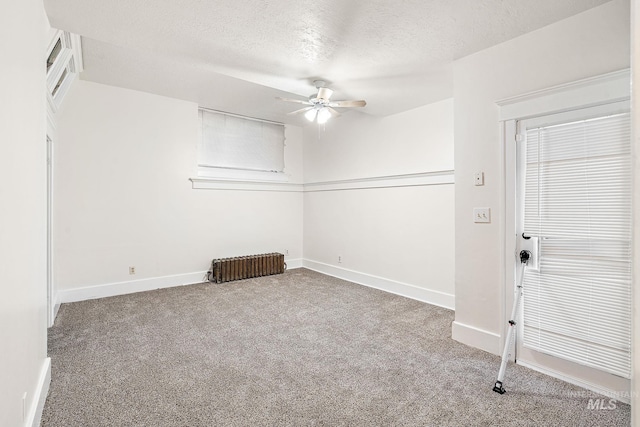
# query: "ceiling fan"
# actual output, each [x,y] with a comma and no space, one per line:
[320,107]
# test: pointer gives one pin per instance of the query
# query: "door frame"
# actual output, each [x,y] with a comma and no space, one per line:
[51,300]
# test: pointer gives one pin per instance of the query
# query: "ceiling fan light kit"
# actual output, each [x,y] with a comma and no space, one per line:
[320,107]
[311,114]
[323,115]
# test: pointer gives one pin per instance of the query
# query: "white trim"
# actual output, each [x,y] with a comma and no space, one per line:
[612,87]
[34,416]
[440,299]
[56,308]
[391,181]
[227,184]
[51,115]
[573,115]
[142,285]
[508,237]
[576,381]
[407,180]
[76,46]
[129,287]
[292,264]
[217,173]
[476,337]
[50,285]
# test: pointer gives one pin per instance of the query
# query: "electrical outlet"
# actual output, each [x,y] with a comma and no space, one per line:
[286,252]
[339,259]
[479,178]
[132,270]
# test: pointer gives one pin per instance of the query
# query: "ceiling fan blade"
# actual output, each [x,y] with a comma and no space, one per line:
[302,110]
[299,101]
[348,104]
[333,112]
[324,93]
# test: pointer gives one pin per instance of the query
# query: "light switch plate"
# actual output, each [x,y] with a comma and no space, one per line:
[482,215]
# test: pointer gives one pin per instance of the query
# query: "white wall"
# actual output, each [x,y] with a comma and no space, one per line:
[123,196]
[588,44]
[395,237]
[23,358]
[357,145]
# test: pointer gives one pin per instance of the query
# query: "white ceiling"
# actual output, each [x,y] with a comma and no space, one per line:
[238,55]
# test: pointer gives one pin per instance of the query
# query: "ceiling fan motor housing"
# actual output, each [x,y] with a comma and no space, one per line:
[323,95]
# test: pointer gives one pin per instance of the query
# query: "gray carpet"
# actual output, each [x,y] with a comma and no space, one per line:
[299,349]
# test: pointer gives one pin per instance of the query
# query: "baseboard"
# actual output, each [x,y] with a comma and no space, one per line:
[440,299]
[129,287]
[476,337]
[34,416]
[293,263]
[595,388]
[56,308]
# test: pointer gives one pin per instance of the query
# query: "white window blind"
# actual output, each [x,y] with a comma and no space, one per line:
[578,202]
[233,142]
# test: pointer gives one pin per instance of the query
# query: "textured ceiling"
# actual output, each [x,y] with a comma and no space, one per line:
[238,55]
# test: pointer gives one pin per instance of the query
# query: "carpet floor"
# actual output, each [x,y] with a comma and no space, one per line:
[298,349]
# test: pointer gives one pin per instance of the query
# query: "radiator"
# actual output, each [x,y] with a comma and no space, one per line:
[245,267]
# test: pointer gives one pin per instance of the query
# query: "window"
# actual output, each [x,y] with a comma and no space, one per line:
[57,48]
[61,80]
[64,62]
[239,147]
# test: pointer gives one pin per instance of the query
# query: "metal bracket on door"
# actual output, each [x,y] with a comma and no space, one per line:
[531,244]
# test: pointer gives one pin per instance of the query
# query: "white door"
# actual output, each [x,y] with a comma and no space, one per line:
[574,213]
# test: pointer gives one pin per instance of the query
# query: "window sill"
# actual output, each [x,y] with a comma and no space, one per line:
[225,174]
[243,185]
[234,179]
